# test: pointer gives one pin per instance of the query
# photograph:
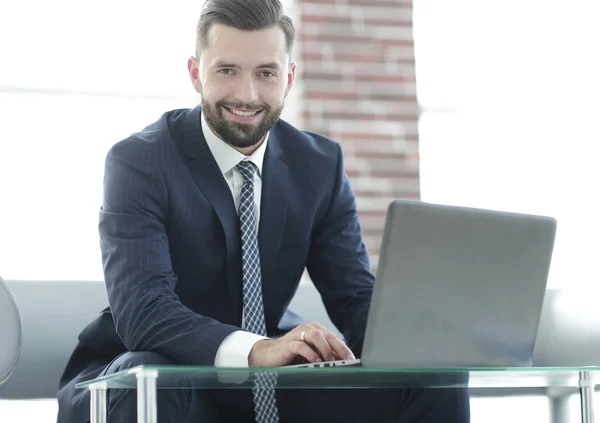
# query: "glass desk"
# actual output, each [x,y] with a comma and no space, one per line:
[147,379]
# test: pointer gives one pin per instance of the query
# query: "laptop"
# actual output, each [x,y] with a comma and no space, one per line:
[456,287]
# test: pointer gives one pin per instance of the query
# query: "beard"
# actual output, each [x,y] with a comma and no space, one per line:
[237,134]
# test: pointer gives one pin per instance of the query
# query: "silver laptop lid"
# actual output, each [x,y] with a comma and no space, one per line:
[458,287]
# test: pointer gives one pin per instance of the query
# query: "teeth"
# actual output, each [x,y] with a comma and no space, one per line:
[245,114]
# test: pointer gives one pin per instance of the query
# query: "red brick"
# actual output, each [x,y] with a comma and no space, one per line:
[373,137]
[407,165]
[309,18]
[372,148]
[397,129]
[383,87]
[369,56]
[384,78]
[320,1]
[394,22]
[329,50]
[373,213]
[400,54]
[365,70]
[364,105]
[392,97]
[309,56]
[378,12]
[327,76]
[383,174]
[336,75]
[332,95]
[406,4]
[366,135]
[370,182]
[357,39]
[358,78]
[382,154]
[348,115]
[353,95]
[395,194]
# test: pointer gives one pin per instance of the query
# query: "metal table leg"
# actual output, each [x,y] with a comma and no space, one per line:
[98,403]
[559,409]
[146,396]
[586,392]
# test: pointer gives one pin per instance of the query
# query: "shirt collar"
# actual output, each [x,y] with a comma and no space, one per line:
[228,157]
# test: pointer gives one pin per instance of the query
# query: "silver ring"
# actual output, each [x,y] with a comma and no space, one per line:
[302,336]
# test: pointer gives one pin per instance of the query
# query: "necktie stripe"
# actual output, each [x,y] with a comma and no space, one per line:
[265,406]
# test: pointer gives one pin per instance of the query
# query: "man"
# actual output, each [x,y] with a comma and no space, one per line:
[209,218]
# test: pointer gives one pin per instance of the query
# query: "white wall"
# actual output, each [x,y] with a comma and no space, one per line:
[74,80]
[510,93]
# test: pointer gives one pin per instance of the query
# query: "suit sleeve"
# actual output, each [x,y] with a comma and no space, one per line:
[140,280]
[338,263]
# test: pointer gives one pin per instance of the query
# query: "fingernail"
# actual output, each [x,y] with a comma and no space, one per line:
[318,359]
[332,358]
[350,357]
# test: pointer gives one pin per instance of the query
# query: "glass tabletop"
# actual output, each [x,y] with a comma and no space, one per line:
[184,377]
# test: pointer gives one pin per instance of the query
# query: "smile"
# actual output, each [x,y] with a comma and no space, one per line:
[242,113]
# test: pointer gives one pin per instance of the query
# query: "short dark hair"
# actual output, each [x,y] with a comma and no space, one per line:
[249,15]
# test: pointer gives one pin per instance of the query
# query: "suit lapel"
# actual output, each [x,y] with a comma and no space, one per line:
[274,204]
[273,209]
[208,177]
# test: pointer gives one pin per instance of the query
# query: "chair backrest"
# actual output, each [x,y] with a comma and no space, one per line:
[53,314]
[569,332]
[10,332]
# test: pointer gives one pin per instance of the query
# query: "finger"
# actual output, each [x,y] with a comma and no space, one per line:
[338,346]
[319,326]
[316,339]
[340,349]
[302,349]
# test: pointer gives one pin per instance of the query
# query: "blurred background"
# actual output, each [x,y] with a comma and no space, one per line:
[490,104]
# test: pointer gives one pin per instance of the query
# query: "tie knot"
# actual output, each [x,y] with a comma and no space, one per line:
[247,169]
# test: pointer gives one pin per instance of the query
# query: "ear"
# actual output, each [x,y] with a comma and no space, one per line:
[291,77]
[194,72]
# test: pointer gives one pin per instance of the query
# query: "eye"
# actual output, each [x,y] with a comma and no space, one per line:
[225,71]
[267,74]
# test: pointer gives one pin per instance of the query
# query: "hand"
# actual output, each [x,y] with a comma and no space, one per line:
[311,342]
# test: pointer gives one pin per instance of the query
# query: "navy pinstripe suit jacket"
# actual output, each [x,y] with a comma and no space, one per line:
[171,245]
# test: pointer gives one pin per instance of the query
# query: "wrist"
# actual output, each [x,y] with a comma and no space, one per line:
[255,357]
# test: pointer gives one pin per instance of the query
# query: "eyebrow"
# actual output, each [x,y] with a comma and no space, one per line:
[270,65]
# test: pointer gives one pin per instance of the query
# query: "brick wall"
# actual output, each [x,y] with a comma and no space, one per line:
[357,73]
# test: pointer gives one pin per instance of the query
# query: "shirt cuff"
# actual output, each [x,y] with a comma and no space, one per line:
[234,350]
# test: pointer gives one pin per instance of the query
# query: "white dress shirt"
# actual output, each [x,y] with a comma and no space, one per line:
[234,350]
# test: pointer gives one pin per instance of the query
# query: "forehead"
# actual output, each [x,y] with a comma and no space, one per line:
[245,48]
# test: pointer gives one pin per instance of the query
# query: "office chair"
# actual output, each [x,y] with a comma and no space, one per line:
[10,332]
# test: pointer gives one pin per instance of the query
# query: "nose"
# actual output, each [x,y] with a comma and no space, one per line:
[246,90]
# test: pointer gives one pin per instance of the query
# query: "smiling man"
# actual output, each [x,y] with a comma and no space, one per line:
[209,217]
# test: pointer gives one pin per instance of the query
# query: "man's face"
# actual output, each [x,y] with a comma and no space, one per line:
[243,78]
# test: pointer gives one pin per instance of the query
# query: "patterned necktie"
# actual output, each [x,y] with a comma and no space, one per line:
[265,407]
